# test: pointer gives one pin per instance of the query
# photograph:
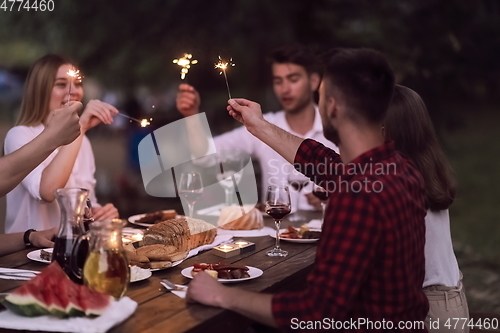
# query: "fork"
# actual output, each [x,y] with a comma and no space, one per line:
[172,286]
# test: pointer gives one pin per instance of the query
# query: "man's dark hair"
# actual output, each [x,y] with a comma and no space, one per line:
[362,79]
[296,54]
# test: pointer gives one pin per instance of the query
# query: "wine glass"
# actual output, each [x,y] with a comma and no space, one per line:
[297,181]
[322,195]
[191,188]
[229,172]
[277,206]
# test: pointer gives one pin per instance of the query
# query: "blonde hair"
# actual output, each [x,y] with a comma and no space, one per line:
[38,90]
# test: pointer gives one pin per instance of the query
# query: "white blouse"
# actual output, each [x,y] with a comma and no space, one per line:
[441,266]
[25,207]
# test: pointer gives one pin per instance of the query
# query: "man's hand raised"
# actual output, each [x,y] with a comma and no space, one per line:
[246,112]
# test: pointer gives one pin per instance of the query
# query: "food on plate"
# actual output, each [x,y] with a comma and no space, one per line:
[156,256]
[53,293]
[224,271]
[157,217]
[45,255]
[302,233]
[212,273]
[183,233]
[244,217]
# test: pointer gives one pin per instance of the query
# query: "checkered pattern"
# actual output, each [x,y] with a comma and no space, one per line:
[370,258]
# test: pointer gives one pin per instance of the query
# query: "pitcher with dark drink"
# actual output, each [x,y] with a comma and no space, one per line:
[72,204]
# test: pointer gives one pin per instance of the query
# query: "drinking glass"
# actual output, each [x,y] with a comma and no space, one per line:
[229,172]
[297,181]
[191,188]
[277,206]
[322,195]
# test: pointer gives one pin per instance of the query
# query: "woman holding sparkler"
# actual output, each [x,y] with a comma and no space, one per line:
[50,86]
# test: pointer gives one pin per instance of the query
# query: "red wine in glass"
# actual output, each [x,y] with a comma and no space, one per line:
[278,212]
[320,193]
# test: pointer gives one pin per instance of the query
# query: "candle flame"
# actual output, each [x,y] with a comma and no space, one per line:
[185,63]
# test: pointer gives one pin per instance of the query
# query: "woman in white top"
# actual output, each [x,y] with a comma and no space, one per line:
[31,205]
[408,124]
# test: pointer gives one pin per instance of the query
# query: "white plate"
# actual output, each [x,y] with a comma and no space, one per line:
[35,255]
[133,219]
[294,240]
[174,263]
[252,271]
[139,274]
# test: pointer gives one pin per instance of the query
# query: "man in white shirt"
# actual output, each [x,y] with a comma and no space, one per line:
[295,79]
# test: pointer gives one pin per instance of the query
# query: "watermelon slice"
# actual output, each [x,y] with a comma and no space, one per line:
[52,292]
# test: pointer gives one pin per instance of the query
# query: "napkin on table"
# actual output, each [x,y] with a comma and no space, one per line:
[118,312]
[16,274]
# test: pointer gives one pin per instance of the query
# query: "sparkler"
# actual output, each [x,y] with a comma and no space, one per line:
[142,122]
[223,66]
[185,63]
[75,74]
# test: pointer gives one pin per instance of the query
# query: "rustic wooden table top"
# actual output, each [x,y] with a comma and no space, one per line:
[161,311]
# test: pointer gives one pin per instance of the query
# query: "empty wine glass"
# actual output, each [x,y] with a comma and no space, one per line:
[229,172]
[297,181]
[322,195]
[191,188]
[277,206]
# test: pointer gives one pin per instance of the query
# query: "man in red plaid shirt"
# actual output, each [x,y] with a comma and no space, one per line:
[369,266]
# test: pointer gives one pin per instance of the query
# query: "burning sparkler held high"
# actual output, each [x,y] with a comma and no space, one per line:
[185,63]
[74,74]
[222,65]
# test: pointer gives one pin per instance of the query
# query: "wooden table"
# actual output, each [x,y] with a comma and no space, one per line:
[161,311]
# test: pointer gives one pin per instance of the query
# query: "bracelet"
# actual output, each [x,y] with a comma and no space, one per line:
[26,237]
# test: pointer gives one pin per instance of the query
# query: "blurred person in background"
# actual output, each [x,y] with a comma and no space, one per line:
[408,124]
[295,80]
[31,204]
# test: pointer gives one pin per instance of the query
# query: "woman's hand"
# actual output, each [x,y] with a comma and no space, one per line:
[43,238]
[96,112]
[105,212]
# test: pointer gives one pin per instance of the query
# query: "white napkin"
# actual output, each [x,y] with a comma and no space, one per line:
[17,274]
[179,293]
[212,210]
[315,224]
[118,312]
[219,239]
[246,233]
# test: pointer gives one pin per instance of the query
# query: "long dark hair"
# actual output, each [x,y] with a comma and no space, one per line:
[408,124]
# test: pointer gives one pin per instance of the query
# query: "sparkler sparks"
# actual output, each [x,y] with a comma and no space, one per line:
[185,63]
[222,65]
[75,75]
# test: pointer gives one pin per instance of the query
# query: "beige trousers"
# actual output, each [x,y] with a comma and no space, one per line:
[447,305]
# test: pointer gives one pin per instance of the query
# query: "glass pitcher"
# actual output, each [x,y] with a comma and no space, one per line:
[72,204]
[106,267]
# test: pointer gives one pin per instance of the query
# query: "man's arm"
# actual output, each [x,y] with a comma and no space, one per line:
[206,290]
[250,115]
[62,128]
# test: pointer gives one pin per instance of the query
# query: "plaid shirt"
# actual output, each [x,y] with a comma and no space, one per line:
[370,258]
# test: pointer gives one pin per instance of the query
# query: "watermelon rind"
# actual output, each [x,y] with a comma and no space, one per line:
[25,305]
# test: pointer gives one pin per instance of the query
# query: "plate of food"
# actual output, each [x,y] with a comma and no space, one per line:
[226,273]
[139,274]
[298,235]
[41,255]
[154,257]
[148,219]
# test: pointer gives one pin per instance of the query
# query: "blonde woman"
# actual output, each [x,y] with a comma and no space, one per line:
[408,124]
[31,204]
